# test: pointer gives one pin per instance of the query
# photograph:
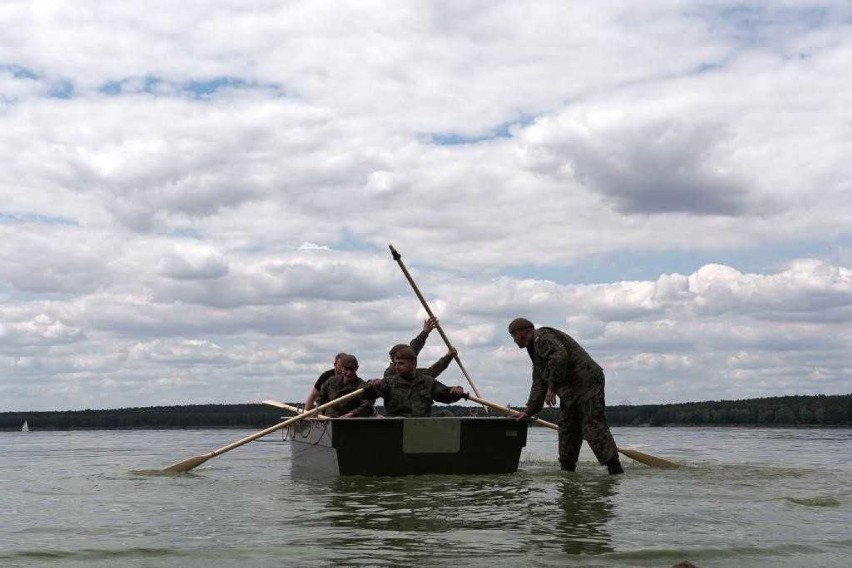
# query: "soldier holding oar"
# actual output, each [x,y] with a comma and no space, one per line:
[411,391]
[642,457]
[347,382]
[560,364]
[398,258]
[315,390]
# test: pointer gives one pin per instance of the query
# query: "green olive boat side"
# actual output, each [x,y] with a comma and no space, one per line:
[408,446]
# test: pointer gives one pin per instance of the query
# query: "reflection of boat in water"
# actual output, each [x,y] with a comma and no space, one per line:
[25,427]
[408,446]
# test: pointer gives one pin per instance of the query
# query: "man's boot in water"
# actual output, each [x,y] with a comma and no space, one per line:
[614,466]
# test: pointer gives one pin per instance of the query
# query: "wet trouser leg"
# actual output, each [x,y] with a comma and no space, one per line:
[570,435]
[596,429]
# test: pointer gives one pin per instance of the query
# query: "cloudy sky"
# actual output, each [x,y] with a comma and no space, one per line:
[198,196]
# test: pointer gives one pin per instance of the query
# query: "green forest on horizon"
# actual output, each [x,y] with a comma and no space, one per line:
[816,410]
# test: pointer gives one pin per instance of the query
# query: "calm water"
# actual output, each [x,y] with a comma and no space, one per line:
[750,497]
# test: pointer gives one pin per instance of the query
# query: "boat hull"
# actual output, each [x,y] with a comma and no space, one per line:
[408,446]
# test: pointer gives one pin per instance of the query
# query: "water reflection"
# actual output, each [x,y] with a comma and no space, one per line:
[421,516]
[427,503]
[378,519]
[585,508]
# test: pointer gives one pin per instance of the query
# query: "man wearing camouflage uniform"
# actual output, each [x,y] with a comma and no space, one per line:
[339,385]
[417,345]
[560,364]
[411,391]
[312,396]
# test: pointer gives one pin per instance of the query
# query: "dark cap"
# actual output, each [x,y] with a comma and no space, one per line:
[519,323]
[396,348]
[405,352]
[348,361]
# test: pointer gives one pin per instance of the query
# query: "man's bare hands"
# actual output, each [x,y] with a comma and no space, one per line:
[430,324]
[550,397]
[457,391]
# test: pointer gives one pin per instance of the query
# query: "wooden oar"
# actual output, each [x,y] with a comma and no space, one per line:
[298,410]
[191,463]
[295,409]
[633,454]
[398,258]
[641,457]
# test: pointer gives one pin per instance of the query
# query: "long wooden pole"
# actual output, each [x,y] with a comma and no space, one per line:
[194,462]
[641,457]
[398,258]
[295,409]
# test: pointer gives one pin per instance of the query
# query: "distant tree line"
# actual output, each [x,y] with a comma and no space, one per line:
[154,417]
[818,410]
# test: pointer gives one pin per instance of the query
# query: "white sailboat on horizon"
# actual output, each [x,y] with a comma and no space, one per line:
[25,427]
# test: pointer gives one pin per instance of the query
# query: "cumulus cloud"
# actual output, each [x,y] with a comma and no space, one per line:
[193,263]
[653,168]
[40,331]
[205,213]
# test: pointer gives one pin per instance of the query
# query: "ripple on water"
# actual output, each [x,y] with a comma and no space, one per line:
[818,501]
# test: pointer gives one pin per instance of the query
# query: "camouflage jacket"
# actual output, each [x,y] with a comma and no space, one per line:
[417,344]
[323,378]
[336,387]
[411,397]
[559,362]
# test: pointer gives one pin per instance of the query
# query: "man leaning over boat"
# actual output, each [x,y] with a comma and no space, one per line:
[563,367]
[410,392]
[339,385]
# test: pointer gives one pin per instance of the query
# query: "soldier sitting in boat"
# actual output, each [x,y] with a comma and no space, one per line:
[312,396]
[417,344]
[339,385]
[411,391]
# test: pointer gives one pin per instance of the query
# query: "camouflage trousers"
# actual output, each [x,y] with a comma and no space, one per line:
[584,420]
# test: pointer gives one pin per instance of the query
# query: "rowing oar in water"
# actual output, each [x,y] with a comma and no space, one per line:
[398,258]
[191,463]
[295,409]
[641,457]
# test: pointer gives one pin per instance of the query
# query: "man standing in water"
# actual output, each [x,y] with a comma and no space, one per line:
[560,364]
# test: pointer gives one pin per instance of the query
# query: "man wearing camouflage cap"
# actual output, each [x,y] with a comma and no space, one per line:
[410,391]
[560,364]
[417,345]
[339,385]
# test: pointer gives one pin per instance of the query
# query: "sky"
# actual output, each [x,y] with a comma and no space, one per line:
[197,198]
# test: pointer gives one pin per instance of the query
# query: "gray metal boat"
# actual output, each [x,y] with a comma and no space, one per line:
[407,446]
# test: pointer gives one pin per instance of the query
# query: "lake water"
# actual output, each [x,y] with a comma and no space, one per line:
[748,497]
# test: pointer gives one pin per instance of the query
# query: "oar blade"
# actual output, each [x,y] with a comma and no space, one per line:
[648,459]
[191,463]
[187,464]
